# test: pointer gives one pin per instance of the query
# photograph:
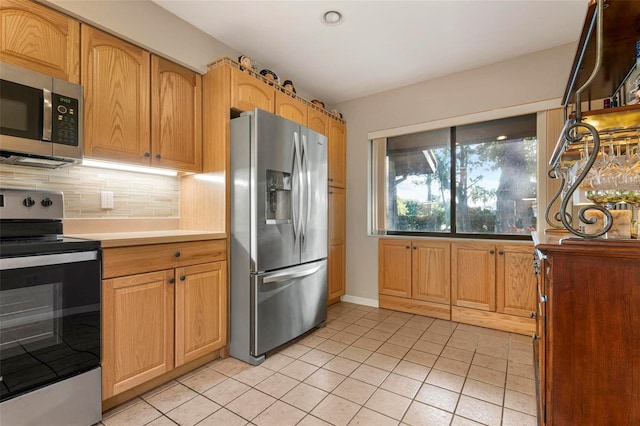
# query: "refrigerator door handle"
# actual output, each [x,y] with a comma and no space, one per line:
[307,188]
[295,202]
[287,276]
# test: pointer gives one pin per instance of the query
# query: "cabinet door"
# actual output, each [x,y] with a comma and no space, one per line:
[115,76]
[137,330]
[394,267]
[317,121]
[337,154]
[176,116]
[515,283]
[336,272]
[337,237]
[431,262]
[201,310]
[38,38]
[473,275]
[248,93]
[290,108]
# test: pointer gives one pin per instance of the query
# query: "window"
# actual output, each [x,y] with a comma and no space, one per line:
[476,179]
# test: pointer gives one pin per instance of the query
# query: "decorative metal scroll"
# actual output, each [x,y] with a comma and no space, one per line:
[572,135]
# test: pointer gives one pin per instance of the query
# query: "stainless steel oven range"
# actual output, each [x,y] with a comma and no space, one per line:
[49,315]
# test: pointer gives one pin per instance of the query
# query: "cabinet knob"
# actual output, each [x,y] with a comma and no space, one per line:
[532,314]
[407,247]
[492,251]
[158,156]
[535,336]
[415,248]
[330,179]
[176,254]
[500,252]
[147,154]
[182,278]
[172,280]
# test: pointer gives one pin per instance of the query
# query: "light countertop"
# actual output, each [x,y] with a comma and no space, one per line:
[123,239]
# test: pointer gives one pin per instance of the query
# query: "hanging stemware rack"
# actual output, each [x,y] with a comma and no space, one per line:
[585,158]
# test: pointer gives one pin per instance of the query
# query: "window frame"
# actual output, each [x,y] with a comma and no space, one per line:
[375,191]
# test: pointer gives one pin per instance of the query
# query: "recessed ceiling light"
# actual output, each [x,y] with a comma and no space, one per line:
[501,138]
[332,18]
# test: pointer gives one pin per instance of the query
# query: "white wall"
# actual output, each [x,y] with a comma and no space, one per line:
[531,78]
[146,24]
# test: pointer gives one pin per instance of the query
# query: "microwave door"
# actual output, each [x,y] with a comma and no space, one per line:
[22,118]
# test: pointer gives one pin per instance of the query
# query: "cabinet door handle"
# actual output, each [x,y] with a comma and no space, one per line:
[500,252]
[532,314]
[158,156]
[415,248]
[407,247]
[182,277]
[492,251]
[172,280]
[176,254]
[147,154]
[535,336]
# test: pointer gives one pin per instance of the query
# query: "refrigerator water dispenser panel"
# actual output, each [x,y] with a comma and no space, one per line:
[278,197]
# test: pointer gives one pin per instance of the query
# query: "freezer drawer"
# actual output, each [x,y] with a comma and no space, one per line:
[286,304]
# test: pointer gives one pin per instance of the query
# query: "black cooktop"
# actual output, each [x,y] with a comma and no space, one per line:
[40,246]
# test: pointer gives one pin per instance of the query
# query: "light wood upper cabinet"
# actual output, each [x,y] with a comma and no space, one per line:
[137,330]
[431,262]
[394,267]
[337,239]
[248,93]
[473,275]
[35,37]
[201,310]
[337,154]
[516,284]
[115,76]
[290,108]
[317,121]
[176,116]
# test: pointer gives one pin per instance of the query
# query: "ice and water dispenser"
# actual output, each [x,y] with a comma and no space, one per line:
[278,197]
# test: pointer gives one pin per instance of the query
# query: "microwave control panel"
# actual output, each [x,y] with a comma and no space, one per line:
[65,120]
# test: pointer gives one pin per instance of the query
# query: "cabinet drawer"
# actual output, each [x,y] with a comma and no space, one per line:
[122,261]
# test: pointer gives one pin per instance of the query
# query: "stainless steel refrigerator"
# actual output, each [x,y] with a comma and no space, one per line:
[278,233]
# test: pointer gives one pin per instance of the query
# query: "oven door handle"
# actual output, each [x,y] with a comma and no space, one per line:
[46,260]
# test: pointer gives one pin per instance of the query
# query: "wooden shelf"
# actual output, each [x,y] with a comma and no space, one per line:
[621,29]
[623,116]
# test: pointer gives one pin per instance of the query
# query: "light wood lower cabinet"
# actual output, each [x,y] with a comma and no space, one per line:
[157,320]
[414,276]
[493,285]
[486,284]
[337,243]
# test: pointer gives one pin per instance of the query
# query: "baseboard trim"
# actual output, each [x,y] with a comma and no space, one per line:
[360,300]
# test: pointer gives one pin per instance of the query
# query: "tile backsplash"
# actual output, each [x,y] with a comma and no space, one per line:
[136,195]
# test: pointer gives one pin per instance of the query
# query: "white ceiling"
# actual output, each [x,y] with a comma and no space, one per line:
[381,45]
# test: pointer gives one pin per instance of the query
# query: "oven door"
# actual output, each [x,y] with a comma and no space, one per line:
[49,319]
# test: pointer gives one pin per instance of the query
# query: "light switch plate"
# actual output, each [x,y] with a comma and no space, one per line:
[106,199]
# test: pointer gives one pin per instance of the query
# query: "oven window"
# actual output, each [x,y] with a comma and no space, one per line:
[49,324]
[20,110]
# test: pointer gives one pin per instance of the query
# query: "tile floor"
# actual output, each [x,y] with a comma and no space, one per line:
[366,367]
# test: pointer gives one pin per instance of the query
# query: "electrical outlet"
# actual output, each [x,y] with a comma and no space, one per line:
[106,199]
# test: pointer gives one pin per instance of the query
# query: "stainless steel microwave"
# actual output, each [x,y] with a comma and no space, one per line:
[40,119]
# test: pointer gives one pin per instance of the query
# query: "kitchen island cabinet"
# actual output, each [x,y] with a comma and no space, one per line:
[41,39]
[164,312]
[587,346]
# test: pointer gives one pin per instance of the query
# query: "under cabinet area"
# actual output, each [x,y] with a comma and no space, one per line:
[486,284]
[164,306]
[414,276]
